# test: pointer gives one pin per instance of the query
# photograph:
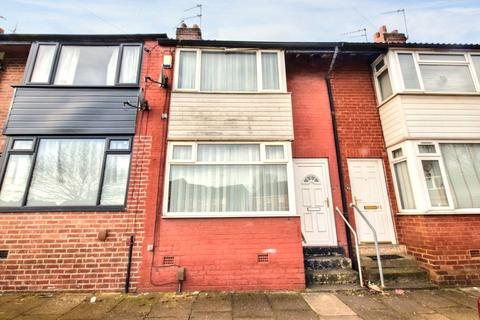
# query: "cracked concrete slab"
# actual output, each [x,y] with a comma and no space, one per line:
[327,304]
[59,304]
[251,305]
[94,311]
[287,301]
[213,302]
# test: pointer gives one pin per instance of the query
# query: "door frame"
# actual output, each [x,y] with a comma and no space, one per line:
[306,162]
[386,197]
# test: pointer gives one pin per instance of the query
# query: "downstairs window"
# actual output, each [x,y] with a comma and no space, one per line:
[225,179]
[66,172]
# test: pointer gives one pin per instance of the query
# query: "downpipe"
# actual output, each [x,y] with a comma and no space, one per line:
[129,264]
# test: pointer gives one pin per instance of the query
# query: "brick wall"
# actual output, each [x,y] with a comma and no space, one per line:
[358,121]
[50,251]
[312,122]
[218,254]
[14,65]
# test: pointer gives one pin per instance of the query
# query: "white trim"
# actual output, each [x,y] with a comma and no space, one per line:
[258,52]
[290,181]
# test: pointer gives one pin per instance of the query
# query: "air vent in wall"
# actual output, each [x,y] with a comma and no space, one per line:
[168,260]
[263,257]
[475,253]
[3,254]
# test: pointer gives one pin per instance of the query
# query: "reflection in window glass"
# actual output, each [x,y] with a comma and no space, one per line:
[385,86]
[397,153]
[187,69]
[403,185]
[22,144]
[43,63]
[15,180]
[87,65]
[119,144]
[445,78]
[182,152]
[434,181]
[270,79]
[67,172]
[115,180]
[441,57]
[409,74]
[476,65]
[129,67]
[274,152]
[427,148]
[228,152]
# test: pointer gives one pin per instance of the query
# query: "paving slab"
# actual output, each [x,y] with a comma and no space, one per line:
[37,317]
[59,304]
[341,318]
[360,302]
[287,301]
[295,315]
[8,297]
[251,305]
[434,316]
[213,302]
[431,299]
[461,313]
[407,306]
[94,311]
[225,315]
[172,307]
[20,306]
[132,307]
[327,304]
[459,297]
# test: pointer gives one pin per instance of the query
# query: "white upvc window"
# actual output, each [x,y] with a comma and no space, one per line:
[230,70]
[228,179]
[382,80]
[403,182]
[444,176]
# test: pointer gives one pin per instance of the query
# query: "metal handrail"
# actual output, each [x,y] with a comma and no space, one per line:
[357,250]
[379,262]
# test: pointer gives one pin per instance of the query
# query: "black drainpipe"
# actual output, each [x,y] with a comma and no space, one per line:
[129,265]
[337,148]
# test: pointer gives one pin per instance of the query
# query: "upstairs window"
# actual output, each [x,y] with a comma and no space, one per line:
[82,65]
[439,72]
[228,71]
[382,78]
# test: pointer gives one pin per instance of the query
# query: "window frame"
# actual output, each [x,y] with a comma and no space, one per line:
[418,61]
[8,151]
[240,214]
[58,48]
[399,159]
[377,73]
[258,52]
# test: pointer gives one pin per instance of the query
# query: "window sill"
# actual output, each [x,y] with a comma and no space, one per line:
[229,92]
[188,215]
[62,209]
[427,93]
[441,213]
[123,86]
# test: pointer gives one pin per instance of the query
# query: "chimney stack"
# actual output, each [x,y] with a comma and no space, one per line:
[2,31]
[186,33]
[382,36]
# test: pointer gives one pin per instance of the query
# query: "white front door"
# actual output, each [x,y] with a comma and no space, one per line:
[314,201]
[369,192]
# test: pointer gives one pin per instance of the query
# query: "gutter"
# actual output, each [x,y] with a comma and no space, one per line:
[338,153]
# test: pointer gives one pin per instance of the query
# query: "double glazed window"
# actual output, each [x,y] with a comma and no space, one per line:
[450,175]
[244,71]
[439,72]
[214,178]
[65,172]
[86,65]
[382,78]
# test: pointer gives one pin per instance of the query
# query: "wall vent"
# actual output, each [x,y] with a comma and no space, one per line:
[262,257]
[168,260]
[475,253]
[3,254]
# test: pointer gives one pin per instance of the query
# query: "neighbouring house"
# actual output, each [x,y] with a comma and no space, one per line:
[155,164]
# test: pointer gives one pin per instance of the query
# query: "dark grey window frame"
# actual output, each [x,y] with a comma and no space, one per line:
[36,140]
[33,57]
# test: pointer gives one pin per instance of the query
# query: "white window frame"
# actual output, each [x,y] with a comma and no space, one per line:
[377,73]
[243,214]
[281,70]
[417,177]
[393,161]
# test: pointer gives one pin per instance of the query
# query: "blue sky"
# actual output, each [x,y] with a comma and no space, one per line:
[276,20]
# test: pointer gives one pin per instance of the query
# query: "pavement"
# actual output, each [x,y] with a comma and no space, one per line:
[438,304]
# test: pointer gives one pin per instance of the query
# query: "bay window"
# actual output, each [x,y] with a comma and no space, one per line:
[439,72]
[224,179]
[49,172]
[382,79]
[85,65]
[229,71]
[446,177]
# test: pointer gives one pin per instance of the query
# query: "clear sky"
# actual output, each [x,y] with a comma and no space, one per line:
[277,20]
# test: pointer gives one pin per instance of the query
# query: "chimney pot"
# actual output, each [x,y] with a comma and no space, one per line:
[383,36]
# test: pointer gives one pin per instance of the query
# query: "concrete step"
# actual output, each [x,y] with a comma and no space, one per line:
[385,248]
[331,277]
[323,251]
[316,262]
[400,261]
[397,275]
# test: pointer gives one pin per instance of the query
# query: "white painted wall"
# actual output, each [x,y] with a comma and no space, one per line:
[430,116]
[230,116]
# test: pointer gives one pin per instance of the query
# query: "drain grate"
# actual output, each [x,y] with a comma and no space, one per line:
[386,257]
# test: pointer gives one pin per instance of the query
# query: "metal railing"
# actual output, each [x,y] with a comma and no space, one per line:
[377,250]
[357,250]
